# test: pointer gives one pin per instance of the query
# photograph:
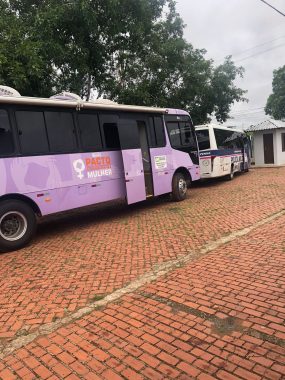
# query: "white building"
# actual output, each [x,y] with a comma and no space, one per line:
[268,142]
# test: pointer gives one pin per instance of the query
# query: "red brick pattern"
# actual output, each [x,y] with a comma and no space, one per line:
[221,316]
[77,257]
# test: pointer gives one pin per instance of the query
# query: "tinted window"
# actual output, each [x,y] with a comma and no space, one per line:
[174,134]
[283,141]
[6,137]
[109,125]
[151,133]
[203,139]
[159,131]
[32,132]
[129,134]
[89,132]
[228,139]
[181,134]
[111,134]
[60,129]
[187,135]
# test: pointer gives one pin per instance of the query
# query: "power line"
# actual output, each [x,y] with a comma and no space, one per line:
[271,6]
[256,46]
[253,47]
[253,114]
[247,116]
[247,113]
[260,52]
[247,110]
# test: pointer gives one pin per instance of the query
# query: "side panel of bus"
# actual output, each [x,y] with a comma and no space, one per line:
[88,178]
[217,161]
[62,182]
[68,159]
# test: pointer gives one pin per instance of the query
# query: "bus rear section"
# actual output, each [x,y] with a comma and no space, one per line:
[223,151]
[57,155]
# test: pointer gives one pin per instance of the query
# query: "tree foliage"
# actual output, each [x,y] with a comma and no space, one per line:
[132,51]
[275,105]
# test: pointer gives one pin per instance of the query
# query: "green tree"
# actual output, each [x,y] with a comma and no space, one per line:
[21,64]
[275,105]
[132,51]
[168,71]
[79,39]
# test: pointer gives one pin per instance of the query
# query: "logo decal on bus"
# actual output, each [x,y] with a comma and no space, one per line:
[93,167]
[79,167]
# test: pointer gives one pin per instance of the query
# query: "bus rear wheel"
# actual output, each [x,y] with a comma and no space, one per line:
[17,225]
[179,187]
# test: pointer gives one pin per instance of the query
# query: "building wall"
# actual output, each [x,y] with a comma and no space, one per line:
[258,148]
[279,156]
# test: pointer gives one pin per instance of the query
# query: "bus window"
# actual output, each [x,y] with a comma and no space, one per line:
[129,133]
[181,134]
[174,133]
[32,132]
[90,132]
[227,139]
[109,125]
[151,133]
[60,129]
[112,139]
[156,133]
[187,135]
[159,132]
[6,137]
[203,139]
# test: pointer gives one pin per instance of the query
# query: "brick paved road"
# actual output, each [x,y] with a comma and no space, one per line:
[214,312]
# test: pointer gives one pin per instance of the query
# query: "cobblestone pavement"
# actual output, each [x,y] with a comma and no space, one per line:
[158,290]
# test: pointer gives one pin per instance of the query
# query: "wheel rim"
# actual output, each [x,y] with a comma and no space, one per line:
[13,226]
[182,185]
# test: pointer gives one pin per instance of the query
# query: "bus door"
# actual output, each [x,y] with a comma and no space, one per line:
[145,157]
[132,159]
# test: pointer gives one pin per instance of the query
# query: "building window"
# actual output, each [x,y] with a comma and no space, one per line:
[283,141]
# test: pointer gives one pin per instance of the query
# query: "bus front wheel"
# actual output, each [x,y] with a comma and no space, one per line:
[179,187]
[17,225]
[230,176]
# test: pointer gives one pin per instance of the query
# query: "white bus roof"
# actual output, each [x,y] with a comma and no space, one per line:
[81,104]
[217,126]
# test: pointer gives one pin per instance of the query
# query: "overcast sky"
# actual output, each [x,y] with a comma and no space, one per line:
[229,27]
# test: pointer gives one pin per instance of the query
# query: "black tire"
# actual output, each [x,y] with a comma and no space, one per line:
[179,187]
[230,176]
[17,225]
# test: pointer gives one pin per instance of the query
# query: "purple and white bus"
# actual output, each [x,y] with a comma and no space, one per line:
[63,153]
